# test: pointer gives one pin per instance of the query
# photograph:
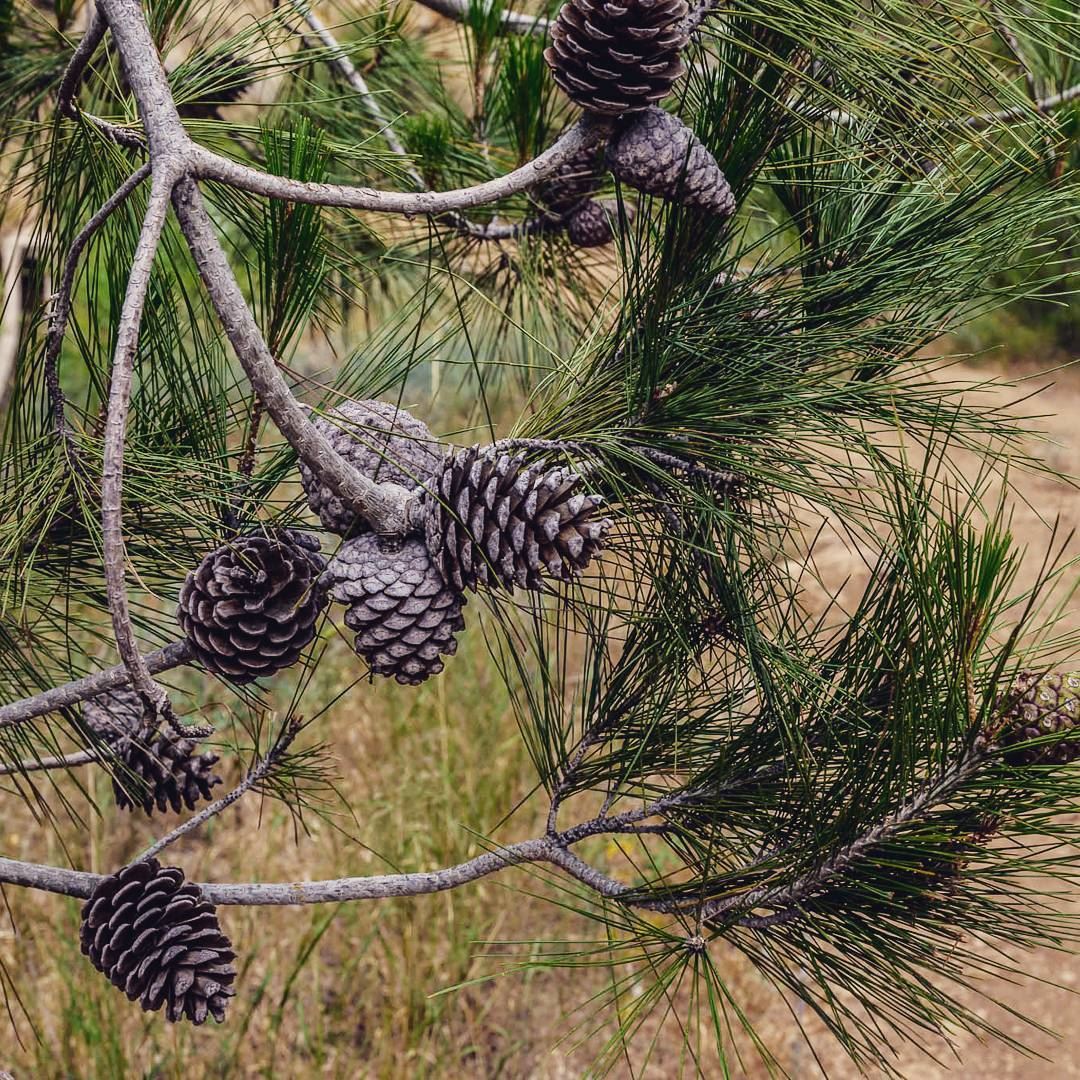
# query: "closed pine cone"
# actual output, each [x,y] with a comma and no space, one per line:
[404,615]
[573,182]
[617,57]
[493,520]
[249,609]
[158,940]
[385,443]
[161,769]
[658,154]
[591,225]
[1038,706]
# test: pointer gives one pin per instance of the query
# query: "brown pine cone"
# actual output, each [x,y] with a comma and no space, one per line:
[385,443]
[573,182]
[592,224]
[404,616]
[158,939]
[1036,707]
[149,769]
[114,717]
[249,608]
[657,153]
[164,771]
[614,58]
[492,520]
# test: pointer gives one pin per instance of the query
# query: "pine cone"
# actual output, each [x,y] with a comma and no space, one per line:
[615,58]
[114,717]
[404,616]
[657,153]
[492,520]
[159,940]
[573,182]
[164,771]
[250,607]
[1038,706]
[149,770]
[383,442]
[592,224]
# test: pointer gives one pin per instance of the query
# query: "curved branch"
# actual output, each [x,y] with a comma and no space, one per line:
[112,474]
[513,22]
[585,133]
[386,506]
[69,84]
[58,317]
[61,697]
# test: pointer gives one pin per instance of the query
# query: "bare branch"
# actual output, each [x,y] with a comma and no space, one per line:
[353,77]
[61,308]
[61,697]
[385,506]
[513,22]
[67,761]
[72,78]
[112,474]
[586,132]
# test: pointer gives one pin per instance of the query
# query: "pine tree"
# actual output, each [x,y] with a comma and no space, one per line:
[661,279]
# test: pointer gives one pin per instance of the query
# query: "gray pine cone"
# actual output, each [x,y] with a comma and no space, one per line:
[158,940]
[592,224]
[1039,706]
[149,769]
[657,153]
[493,520]
[383,442]
[250,607]
[114,717]
[614,58]
[404,616]
[573,182]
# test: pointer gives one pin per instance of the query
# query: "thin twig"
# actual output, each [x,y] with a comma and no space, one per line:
[61,304]
[67,761]
[72,78]
[791,895]
[386,506]
[513,22]
[112,473]
[254,775]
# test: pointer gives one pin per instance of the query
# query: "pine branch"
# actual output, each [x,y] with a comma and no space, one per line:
[112,475]
[69,84]
[66,761]
[512,22]
[61,697]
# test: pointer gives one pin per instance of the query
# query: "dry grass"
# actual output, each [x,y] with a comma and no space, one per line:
[352,990]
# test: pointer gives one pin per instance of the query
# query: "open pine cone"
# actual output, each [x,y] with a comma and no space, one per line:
[658,154]
[404,615]
[614,58]
[385,443]
[1038,706]
[149,769]
[159,941]
[249,609]
[493,520]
